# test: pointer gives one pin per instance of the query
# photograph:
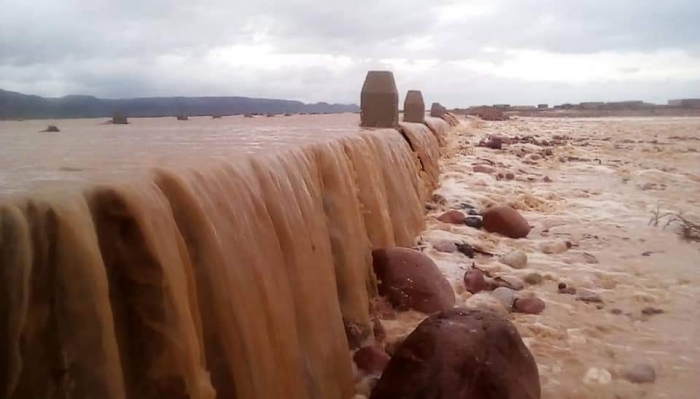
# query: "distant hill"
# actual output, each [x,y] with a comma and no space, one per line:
[15,105]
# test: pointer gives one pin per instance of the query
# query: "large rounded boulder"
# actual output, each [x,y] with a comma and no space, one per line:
[504,220]
[409,279]
[461,354]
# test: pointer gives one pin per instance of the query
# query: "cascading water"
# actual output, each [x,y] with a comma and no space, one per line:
[196,271]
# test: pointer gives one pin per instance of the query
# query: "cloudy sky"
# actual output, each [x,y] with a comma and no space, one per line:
[465,52]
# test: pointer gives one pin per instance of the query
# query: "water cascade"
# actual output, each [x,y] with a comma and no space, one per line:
[232,277]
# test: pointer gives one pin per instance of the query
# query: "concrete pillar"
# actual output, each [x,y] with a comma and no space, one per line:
[414,107]
[437,110]
[119,119]
[379,101]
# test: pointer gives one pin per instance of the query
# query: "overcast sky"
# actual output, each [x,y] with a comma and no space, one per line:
[457,52]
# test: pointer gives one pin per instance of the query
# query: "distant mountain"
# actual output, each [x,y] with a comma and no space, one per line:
[15,105]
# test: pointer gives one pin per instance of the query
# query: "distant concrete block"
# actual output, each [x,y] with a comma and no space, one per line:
[437,110]
[379,101]
[119,118]
[414,107]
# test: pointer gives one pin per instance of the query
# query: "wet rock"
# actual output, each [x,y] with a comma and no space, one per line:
[438,199]
[474,281]
[639,373]
[453,216]
[533,278]
[597,376]
[378,330]
[466,205]
[445,246]
[563,289]
[589,297]
[484,169]
[562,159]
[511,282]
[411,280]
[473,212]
[466,249]
[505,296]
[371,359]
[461,353]
[474,222]
[650,311]
[547,179]
[494,143]
[510,175]
[504,220]
[548,152]
[485,302]
[553,248]
[515,259]
[51,129]
[529,305]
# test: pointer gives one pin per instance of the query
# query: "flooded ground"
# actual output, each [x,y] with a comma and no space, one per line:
[94,150]
[598,191]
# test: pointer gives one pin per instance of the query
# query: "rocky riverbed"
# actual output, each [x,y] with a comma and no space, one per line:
[603,292]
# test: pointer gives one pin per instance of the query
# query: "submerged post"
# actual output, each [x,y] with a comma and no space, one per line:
[119,118]
[379,101]
[414,107]
[437,110]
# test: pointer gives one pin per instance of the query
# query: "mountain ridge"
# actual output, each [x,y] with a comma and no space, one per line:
[15,105]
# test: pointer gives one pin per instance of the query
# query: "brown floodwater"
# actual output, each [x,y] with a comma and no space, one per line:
[612,175]
[231,256]
[214,257]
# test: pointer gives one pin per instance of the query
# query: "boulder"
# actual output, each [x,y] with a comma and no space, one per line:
[504,220]
[445,246]
[533,278]
[371,359]
[639,373]
[505,296]
[515,259]
[474,281]
[461,353]
[531,305]
[473,221]
[453,216]
[409,279]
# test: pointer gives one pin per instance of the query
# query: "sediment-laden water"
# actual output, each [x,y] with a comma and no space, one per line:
[231,256]
[214,257]
[598,190]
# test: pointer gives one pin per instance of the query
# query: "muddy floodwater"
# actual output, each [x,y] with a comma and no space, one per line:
[230,256]
[598,191]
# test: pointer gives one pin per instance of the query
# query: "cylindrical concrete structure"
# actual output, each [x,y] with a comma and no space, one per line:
[379,100]
[414,107]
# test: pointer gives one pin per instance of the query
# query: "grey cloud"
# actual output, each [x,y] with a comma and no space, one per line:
[112,48]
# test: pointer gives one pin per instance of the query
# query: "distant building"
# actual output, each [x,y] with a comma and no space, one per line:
[542,106]
[591,105]
[501,106]
[685,103]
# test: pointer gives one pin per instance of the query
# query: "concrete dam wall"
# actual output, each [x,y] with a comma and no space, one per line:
[212,269]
